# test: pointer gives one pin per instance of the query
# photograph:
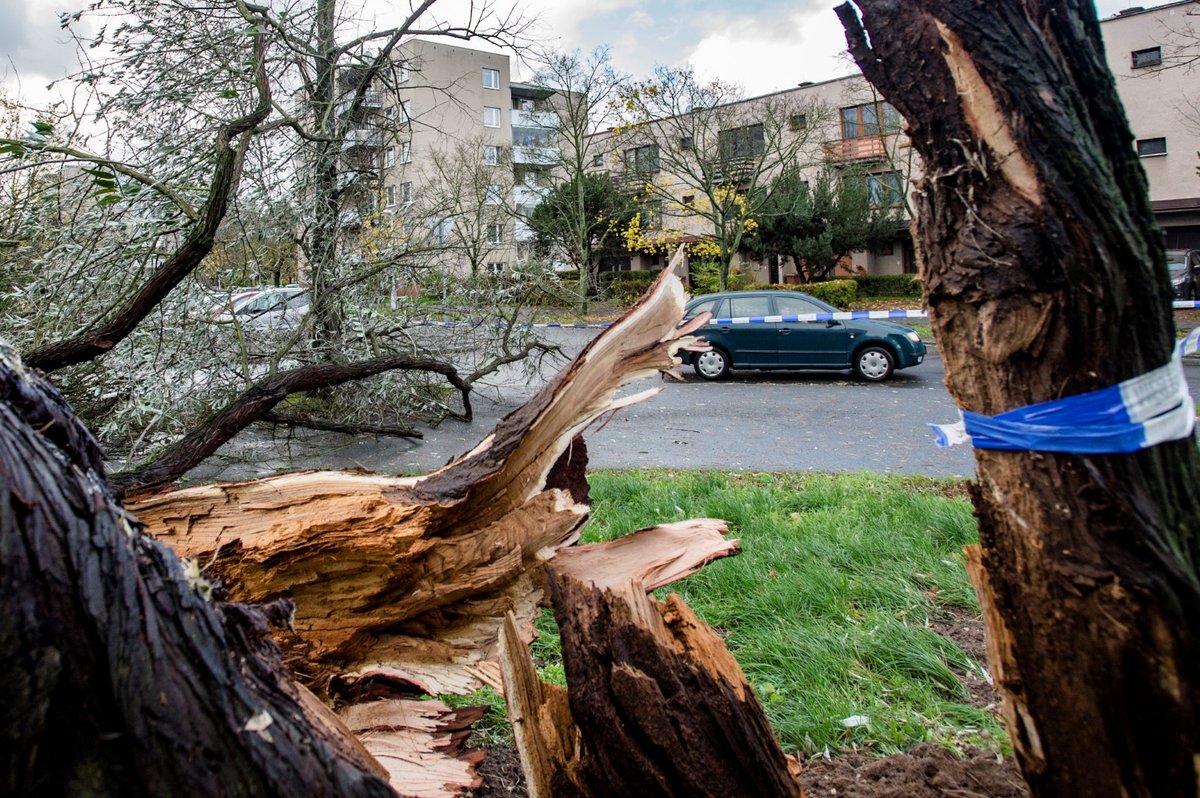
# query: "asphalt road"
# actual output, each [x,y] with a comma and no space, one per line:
[754,421]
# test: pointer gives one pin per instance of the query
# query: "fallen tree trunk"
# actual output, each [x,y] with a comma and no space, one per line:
[122,679]
[655,705]
[1042,266]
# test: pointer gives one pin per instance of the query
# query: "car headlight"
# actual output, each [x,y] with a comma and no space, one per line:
[912,336]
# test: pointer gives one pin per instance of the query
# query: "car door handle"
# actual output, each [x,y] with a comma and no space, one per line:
[726,328]
[784,330]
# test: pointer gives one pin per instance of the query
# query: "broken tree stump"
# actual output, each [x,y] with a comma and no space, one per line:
[655,704]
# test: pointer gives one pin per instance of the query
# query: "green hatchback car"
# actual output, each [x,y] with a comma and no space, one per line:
[873,349]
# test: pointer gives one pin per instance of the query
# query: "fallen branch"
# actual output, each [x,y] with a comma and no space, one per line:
[346,428]
[258,400]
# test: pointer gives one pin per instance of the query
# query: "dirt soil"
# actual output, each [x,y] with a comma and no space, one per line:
[925,771]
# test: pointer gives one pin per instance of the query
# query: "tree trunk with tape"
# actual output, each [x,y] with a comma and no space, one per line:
[1042,266]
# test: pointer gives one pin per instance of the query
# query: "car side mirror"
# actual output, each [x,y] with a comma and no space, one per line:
[833,323]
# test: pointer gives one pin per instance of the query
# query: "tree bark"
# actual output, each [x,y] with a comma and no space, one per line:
[1041,262]
[122,678]
[257,402]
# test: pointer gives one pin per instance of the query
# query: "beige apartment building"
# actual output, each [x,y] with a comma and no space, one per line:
[457,149]
[468,152]
[1150,50]
[838,124]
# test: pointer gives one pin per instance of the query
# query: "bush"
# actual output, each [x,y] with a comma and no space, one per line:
[888,285]
[839,293]
[626,287]
[706,278]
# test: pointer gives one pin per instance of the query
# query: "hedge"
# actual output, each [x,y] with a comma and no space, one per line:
[888,285]
[627,287]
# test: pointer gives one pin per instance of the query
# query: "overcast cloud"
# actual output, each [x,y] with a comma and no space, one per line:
[762,45]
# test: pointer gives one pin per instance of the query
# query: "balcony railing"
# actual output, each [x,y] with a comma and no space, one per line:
[357,138]
[860,149]
[536,119]
[541,156]
[372,100]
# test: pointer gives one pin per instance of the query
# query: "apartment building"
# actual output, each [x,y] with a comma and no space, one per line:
[458,147]
[1150,51]
[839,124]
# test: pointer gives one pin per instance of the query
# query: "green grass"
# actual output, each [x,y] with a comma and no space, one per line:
[826,607]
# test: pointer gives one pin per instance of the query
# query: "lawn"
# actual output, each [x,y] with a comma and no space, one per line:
[831,606]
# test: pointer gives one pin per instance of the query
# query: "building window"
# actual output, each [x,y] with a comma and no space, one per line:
[491,154]
[651,215]
[687,199]
[797,122]
[406,193]
[1151,56]
[491,78]
[404,74]
[643,160]
[406,152]
[391,197]
[405,110]
[1148,147]
[389,157]
[495,267]
[494,195]
[687,143]
[491,116]
[495,233]
[597,160]
[741,142]
[864,120]
[886,189]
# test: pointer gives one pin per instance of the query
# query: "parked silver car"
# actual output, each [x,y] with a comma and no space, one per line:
[269,309]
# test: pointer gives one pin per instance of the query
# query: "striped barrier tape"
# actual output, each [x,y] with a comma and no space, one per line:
[1136,414]
[841,315]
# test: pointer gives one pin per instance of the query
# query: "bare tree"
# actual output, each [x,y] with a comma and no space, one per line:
[694,150]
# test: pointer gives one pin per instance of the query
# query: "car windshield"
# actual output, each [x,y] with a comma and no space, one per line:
[1176,260]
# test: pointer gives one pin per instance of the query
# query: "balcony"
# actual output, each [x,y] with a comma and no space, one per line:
[537,119]
[539,156]
[372,100]
[528,195]
[733,170]
[359,138]
[522,232]
[869,148]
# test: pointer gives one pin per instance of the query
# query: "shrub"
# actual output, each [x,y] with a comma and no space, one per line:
[627,287]
[706,278]
[888,285]
[839,293]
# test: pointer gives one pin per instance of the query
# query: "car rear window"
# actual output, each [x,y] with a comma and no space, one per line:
[749,306]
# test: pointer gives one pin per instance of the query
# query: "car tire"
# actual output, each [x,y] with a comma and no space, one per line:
[874,363]
[711,365]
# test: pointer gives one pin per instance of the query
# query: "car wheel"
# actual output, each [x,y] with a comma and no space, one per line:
[711,365]
[874,363]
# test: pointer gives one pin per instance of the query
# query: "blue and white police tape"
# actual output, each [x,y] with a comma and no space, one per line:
[1136,414]
[1184,304]
[841,315]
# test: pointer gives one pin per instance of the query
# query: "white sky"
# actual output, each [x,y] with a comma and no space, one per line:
[763,45]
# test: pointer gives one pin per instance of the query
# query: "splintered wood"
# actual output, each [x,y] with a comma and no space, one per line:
[656,705]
